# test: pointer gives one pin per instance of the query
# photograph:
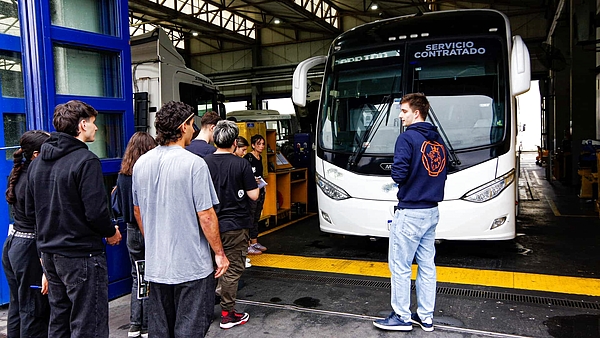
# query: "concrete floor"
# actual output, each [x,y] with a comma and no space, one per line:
[558,235]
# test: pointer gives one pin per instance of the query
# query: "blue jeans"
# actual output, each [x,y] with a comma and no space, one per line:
[135,245]
[413,236]
[28,311]
[78,295]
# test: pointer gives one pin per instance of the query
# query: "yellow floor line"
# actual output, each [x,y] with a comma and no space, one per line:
[503,279]
[553,207]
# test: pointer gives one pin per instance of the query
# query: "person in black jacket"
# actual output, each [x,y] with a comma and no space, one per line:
[28,311]
[67,201]
[138,145]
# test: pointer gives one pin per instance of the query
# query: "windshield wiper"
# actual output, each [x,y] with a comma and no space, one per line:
[367,137]
[454,161]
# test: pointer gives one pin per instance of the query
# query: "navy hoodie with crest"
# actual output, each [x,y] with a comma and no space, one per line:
[67,199]
[420,160]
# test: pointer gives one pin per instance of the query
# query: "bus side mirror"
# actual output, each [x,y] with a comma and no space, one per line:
[300,80]
[520,67]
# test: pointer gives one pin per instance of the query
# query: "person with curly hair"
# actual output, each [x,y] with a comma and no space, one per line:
[173,198]
[66,199]
[139,143]
[28,310]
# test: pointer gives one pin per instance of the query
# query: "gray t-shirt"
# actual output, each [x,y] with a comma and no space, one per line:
[170,185]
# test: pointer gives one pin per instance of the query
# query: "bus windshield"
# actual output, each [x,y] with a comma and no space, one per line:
[358,89]
[462,80]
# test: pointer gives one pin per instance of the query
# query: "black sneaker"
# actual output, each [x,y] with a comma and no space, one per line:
[144,333]
[231,318]
[393,322]
[426,326]
[134,331]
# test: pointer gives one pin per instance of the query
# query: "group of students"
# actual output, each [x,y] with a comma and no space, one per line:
[175,204]
[192,218]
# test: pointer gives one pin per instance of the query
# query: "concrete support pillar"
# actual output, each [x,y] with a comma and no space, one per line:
[561,86]
[583,79]
[257,62]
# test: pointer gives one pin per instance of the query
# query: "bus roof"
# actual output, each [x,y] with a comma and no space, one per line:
[431,24]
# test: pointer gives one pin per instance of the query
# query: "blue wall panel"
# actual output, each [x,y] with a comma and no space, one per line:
[39,37]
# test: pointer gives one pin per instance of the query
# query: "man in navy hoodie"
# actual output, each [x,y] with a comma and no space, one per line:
[67,199]
[419,169]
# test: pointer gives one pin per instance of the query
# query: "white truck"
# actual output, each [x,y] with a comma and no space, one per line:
[160,75]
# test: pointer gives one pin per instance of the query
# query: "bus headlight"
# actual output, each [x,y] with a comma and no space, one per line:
[491,189]
[330,189]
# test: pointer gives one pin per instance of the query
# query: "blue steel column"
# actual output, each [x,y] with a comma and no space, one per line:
[33,67]
[39,36]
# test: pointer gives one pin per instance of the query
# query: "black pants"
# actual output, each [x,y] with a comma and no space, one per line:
[135,245]
[181,310]
[255,211]
[78,296]
[28,311]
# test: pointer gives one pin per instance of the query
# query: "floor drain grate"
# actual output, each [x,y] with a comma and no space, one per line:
[461,292]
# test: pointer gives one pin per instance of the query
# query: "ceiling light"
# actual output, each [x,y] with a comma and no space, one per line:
[277,21]
[374,7]
[195,33]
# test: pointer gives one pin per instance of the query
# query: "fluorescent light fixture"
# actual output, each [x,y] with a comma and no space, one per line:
[195,33]
[277,21]
[374,7]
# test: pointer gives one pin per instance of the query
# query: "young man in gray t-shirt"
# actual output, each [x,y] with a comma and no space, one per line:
[173,199]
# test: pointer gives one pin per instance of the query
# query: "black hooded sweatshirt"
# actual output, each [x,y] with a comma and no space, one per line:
[67,199]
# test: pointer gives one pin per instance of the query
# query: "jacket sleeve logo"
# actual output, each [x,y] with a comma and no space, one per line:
[433,157]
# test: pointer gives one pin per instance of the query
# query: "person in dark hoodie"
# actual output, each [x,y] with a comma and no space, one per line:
[419,169]
[67,201]
[28,311]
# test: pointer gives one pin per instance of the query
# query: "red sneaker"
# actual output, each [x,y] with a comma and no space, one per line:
[231,318]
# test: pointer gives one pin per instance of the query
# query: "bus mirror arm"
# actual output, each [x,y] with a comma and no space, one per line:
[300,80]
[520,67]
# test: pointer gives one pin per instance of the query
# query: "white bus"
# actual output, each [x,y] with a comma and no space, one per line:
[471,68]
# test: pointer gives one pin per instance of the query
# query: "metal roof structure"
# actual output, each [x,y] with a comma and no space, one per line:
[238,21]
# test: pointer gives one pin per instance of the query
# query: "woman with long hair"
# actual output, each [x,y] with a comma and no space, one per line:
[258,145]
[242,146]
[139,144]
[28,310]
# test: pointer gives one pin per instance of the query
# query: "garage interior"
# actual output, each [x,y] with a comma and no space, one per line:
[312,284]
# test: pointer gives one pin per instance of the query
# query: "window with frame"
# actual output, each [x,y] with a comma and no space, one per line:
[87,72]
